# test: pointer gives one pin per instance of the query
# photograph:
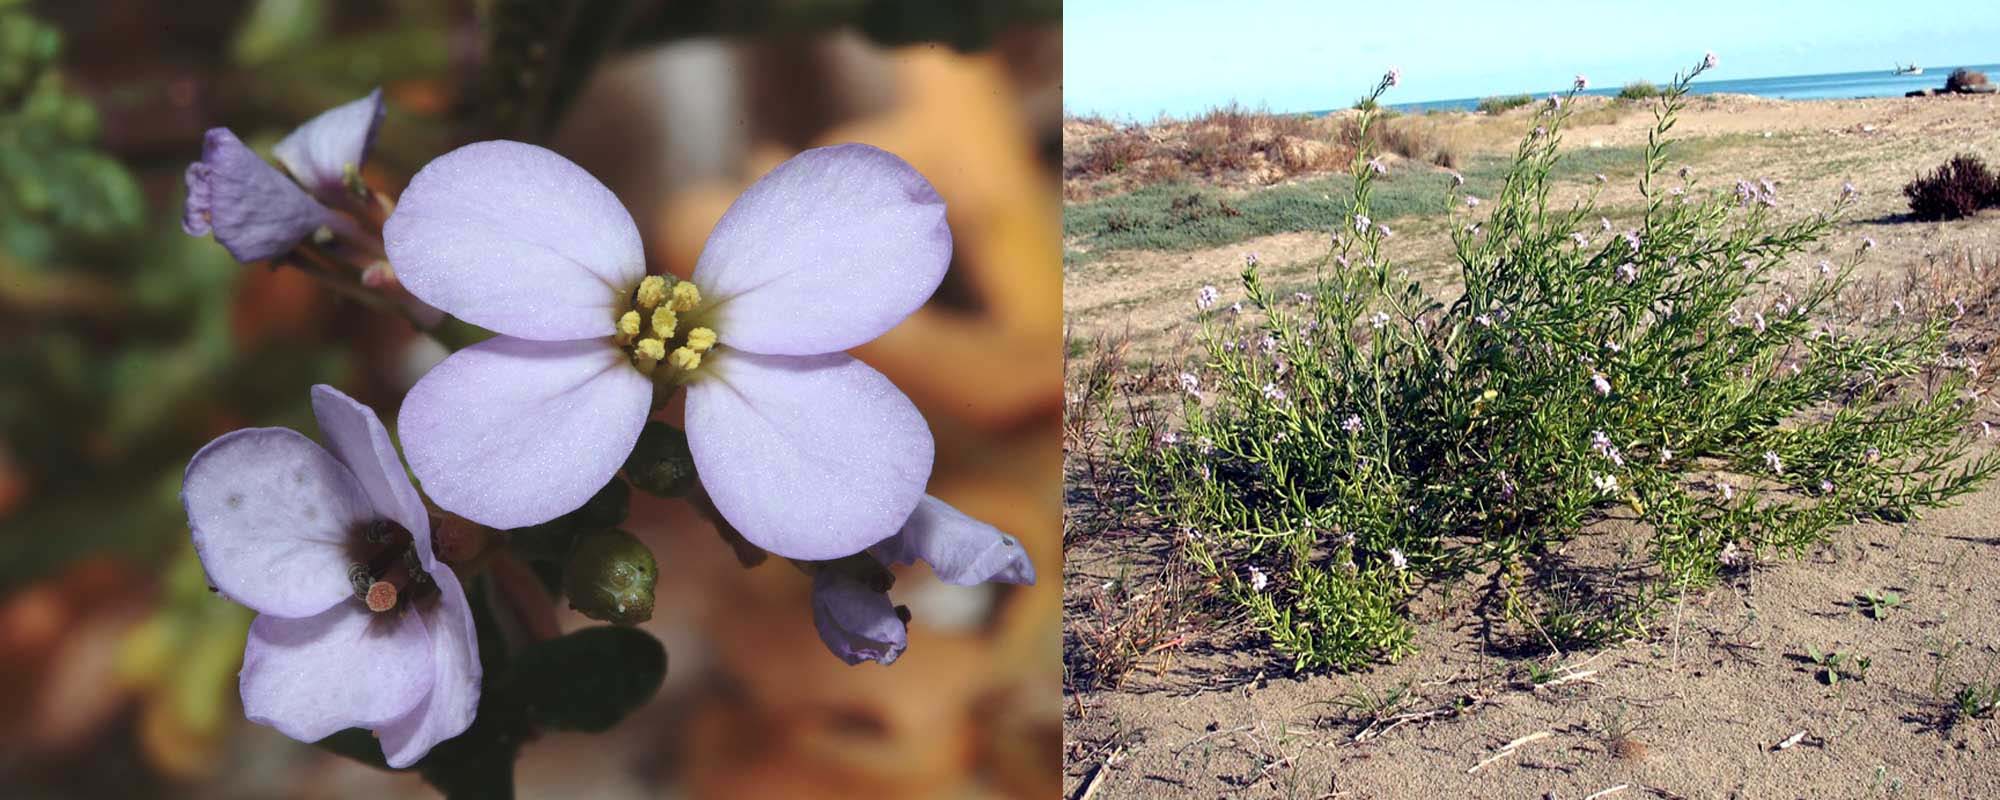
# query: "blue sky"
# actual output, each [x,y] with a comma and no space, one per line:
[1135,59]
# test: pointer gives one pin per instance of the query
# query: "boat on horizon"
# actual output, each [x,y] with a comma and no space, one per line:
[1909,70]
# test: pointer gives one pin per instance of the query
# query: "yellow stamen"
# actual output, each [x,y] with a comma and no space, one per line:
[650,348]
[651,292]
[685,359]
[686,297]
[664,322]
[701,339]
[628,324]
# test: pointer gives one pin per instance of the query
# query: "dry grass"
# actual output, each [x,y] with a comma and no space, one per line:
[1228,145]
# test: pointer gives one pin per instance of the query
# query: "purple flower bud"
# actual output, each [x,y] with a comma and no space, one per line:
[1393,77]
[855,621]
[1580,83]
[1708,60]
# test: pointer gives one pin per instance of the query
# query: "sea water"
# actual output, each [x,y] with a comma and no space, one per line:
[1874,83]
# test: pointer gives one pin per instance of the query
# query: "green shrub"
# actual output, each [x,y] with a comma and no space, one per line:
[1502,104]
[1339,448]
[1639,90]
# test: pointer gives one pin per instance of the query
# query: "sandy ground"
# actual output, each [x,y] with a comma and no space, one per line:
[1878,144]
[1720,700]
[1698,710]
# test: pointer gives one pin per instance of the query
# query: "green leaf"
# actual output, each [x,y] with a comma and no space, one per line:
[588,680]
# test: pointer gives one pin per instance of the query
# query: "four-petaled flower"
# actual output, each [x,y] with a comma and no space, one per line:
[1205,299]
[359,624]
[808,452]
[1190,384]
[257,212]
[858,622]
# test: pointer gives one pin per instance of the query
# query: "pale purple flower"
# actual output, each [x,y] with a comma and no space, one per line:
[1302,297]
[1274,393]
[1825,268]
[1471,202]
[1897,305]
[1398,560]
[1205,299]
[359,625]
[1362,223]
[1873,454]
[1708,60]
[1379,319]
[857,622]
[808,452]
[1847,190]
[1867,242]
[1628,272]
[1606,484]
[1771,460]
[1204,445]
[1457,179]
[257,212]
[1258,580]
[1604,224]
[1601,179]
[1632,239]
[1580,239]
[1581,83]
[1825,486]
[1393,77]
[1250,259]
[1728,491]
[1352,424]
[1270,343]
[1190,384]
[1730,555]
[1384,230]
[1236,307]
[1758,320]
[1666,455]
[1484,320]
[1601,384]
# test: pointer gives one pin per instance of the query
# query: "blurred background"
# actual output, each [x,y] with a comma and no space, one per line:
[125,345]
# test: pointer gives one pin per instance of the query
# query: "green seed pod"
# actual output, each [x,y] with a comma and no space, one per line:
[661,462]
[610,577]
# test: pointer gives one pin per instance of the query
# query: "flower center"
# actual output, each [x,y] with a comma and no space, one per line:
[658,328]
[385,570]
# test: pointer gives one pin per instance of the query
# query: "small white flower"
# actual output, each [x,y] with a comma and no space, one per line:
[1825,268]
[1378,319]
[1484,320]
[1205,299]
[1628,272]
[1471,202]
[1600,383]
[1236,307]
[1384,230]
[1867,242]
[1825,486]
[1607,484]
[1398,560]
[1273,393]
[1377,166]
[1352,424]
[1580,239]
[1457,179]
[1666,455]
[1258,580]
[1190,384]
[1728,491]
[1771,460]
[1604,223]
[1362,223]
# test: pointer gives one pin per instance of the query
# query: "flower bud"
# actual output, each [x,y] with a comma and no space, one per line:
[661,462]
[610,577]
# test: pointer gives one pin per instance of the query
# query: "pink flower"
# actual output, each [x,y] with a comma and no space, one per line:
[1580,83]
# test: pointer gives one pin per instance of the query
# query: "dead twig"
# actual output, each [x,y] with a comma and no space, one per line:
[1509,748]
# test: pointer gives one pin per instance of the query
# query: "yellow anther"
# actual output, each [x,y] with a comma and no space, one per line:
[628,324]
[686,297]
[651,292]
[701,339]
[664,321]
[685,359]
[650,348]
